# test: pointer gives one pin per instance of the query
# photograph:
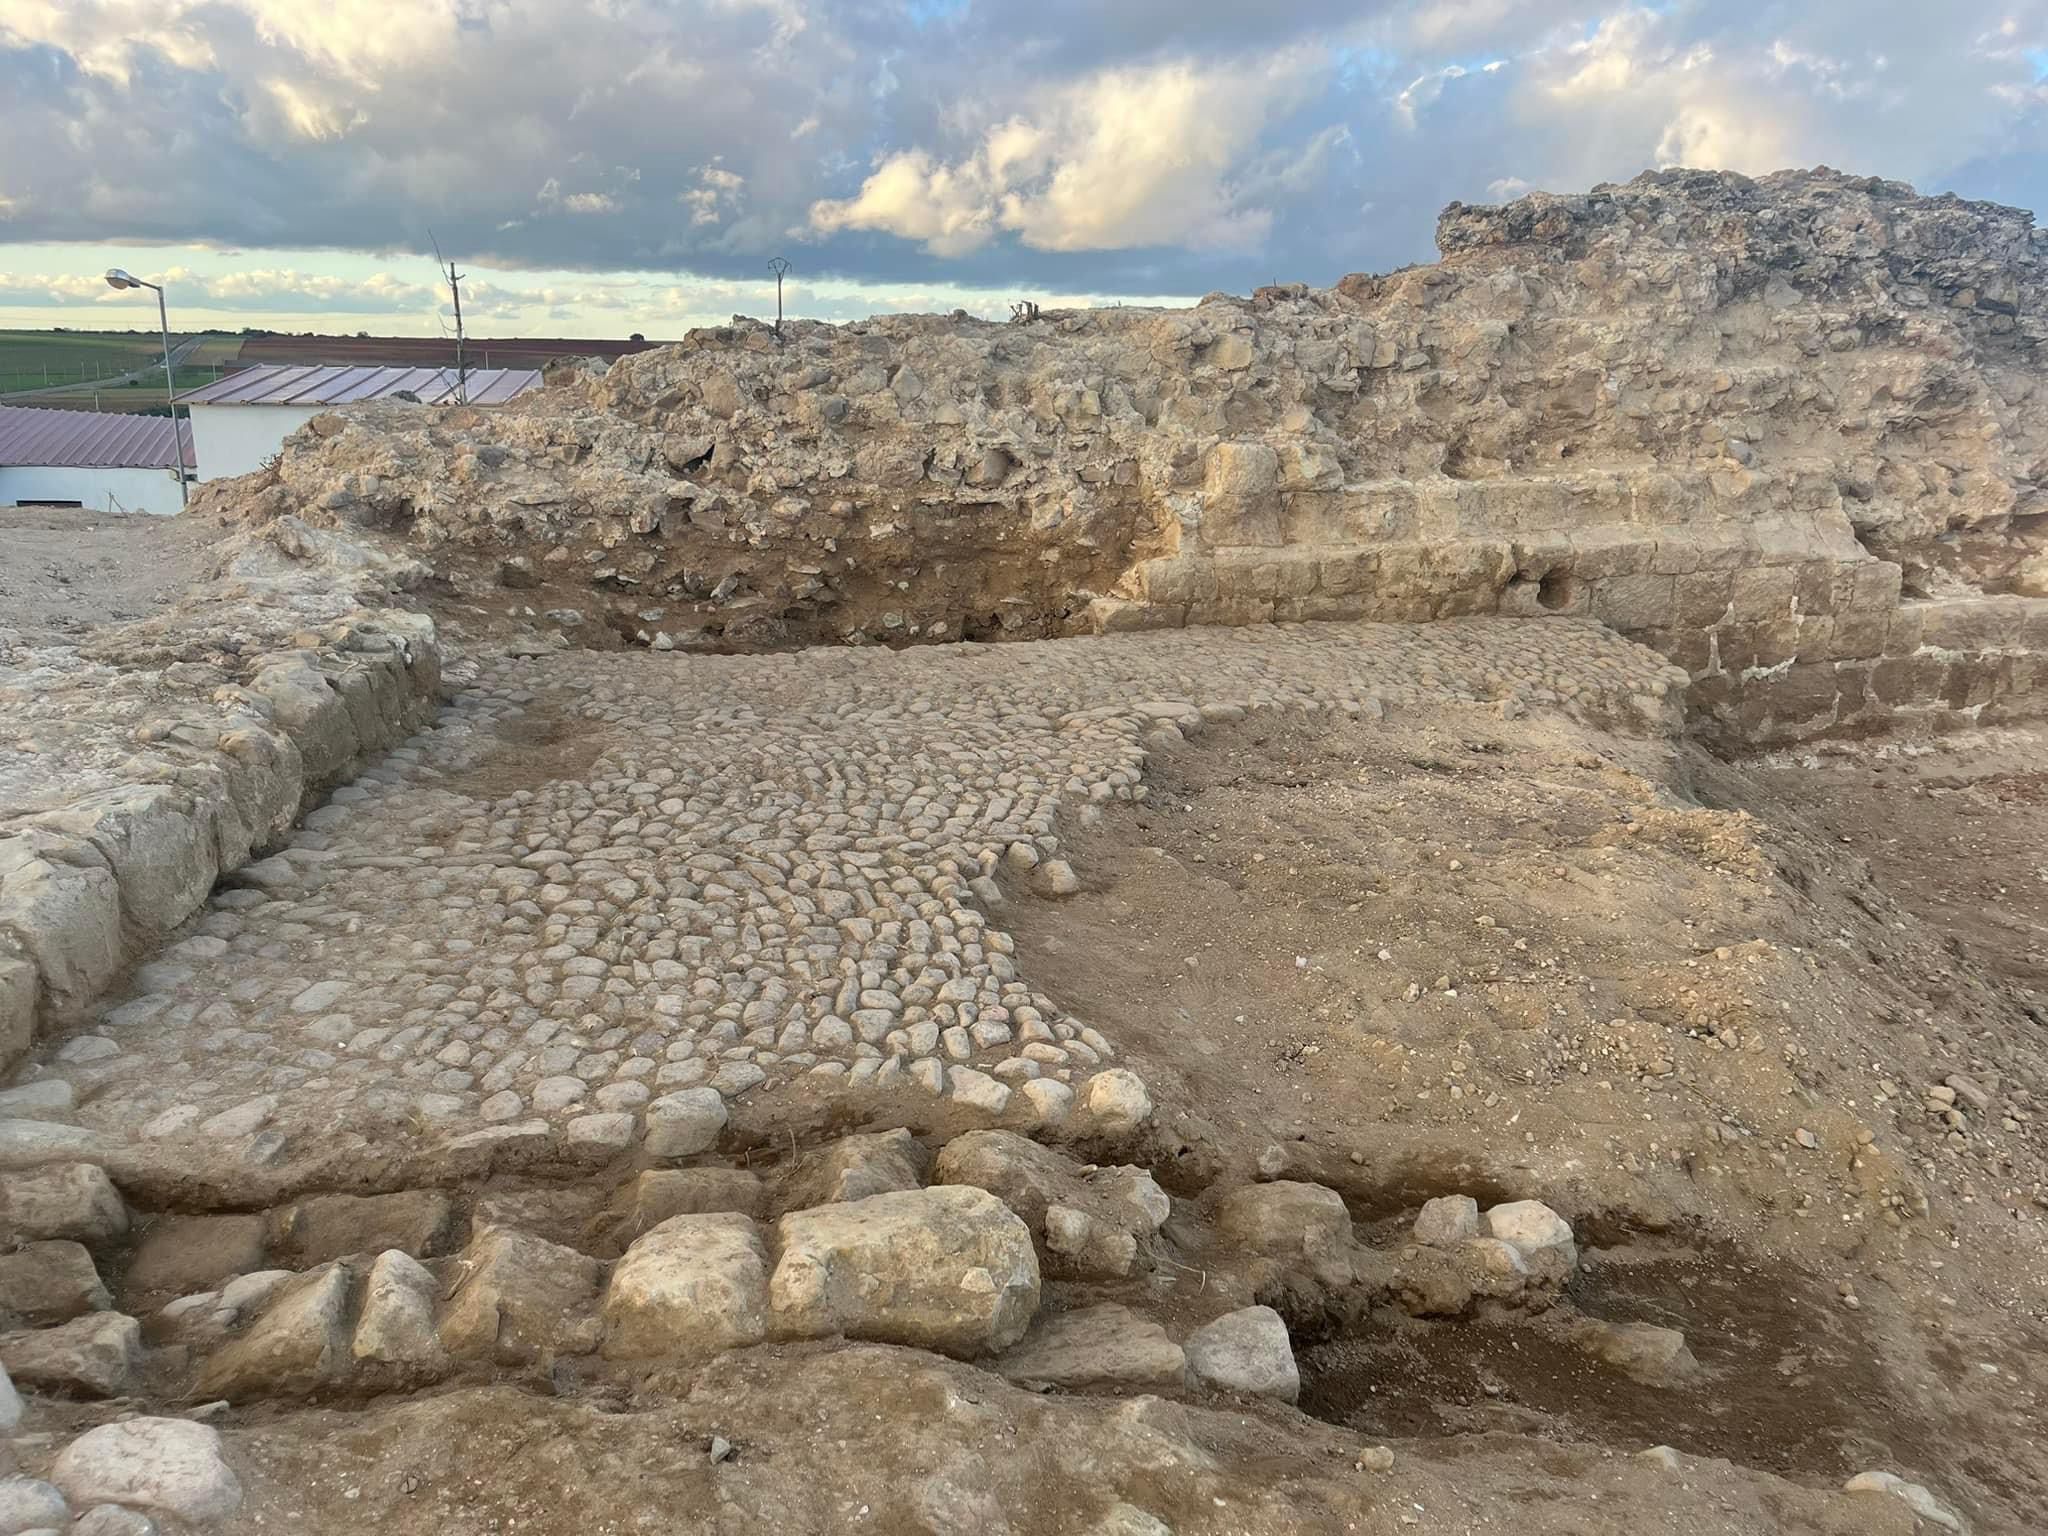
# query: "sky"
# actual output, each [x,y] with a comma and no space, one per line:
[604,167]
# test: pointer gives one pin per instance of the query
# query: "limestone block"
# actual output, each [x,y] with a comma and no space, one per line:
[419,1222]
[1246,1351]
[165,1466]
[693,1286]
[517,1299]
[950,1269]
[61,1200]
[1241,495]
[99,1354]
[1532,1227]
[1285,1219]
[51,1282]
[1447,1221]
[1097,1347]
[396,1325]
[300,1342]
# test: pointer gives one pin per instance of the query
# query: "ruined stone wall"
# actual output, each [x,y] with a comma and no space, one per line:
[1791,432]
[141,767]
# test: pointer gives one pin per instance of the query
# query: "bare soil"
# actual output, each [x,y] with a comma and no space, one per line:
[1448,955]
[64,574]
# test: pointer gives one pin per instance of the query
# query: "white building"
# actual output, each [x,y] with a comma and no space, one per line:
[240,421]
[109,461]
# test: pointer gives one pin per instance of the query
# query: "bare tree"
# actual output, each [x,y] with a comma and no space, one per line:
[1023,312]
[447,269]
[780,267]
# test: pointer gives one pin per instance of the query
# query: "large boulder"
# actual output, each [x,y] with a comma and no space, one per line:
[1092,1220]
[1246,1351]
[75,1201]
[165,1466]
[855,1167]
[1285,1219]
[693,1286]
[49,1283]
[950,1269]
[1107,1346]
[98,1354]
[519,1299]
[395,1327]
[299,1343]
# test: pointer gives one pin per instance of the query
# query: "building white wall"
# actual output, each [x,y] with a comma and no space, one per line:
[238,439]
[131,490]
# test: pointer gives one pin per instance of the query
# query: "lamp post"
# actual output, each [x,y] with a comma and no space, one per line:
[116,278]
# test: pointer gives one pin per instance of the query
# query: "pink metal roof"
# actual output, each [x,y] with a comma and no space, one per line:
[334,384]
[89,439]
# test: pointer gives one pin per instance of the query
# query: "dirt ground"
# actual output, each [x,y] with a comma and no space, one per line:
[1424,957]
[66,573]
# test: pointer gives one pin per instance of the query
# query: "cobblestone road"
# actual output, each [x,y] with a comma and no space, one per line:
[601,881]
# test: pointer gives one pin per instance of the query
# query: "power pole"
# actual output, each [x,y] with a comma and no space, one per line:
[455,288]
[779,266]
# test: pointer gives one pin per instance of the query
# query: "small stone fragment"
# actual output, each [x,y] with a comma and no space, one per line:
[1917,1497]
[1117,1100]
[113,1520]
[29,1504]
[1447,1221]
[685,1123]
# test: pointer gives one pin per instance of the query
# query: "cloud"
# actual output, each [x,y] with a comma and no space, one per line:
[1129,157]
[255,290]
[1062,146]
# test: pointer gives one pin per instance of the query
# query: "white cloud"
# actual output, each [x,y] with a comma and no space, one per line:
[1129,157]
[715,194]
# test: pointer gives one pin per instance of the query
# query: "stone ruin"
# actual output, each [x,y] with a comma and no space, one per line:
[1789,432]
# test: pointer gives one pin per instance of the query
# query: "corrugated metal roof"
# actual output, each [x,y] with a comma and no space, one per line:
[334,384]
[89,439]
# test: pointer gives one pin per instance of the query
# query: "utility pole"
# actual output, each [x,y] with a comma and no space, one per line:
[455,288]
[779,266]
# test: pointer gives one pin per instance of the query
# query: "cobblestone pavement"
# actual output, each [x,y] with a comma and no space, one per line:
[602,881]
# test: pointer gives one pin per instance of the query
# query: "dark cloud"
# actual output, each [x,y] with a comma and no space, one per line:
[1155,146]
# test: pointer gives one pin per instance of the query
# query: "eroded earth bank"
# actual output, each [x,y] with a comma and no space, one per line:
[508,1035]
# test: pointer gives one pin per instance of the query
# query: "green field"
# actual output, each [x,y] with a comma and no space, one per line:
[75,361]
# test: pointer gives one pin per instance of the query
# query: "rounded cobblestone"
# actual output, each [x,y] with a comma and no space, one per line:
[601,879]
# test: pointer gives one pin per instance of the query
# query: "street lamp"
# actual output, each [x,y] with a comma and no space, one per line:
[116,278]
